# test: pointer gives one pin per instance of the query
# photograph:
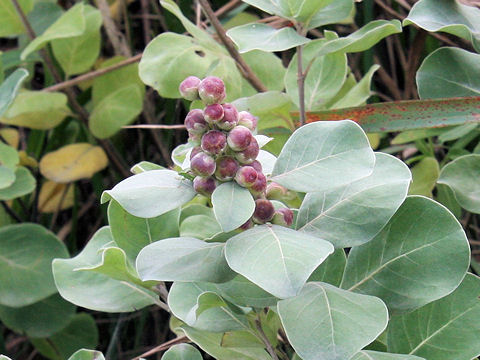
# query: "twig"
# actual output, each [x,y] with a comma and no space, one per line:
[153,126]
[246,71]
[11,212]
[265,340]
[116,37]
[164,346]
[413,61]
[91,75]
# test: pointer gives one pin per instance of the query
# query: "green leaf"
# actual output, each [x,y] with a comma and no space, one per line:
[24,184]
[233,205]
[461,175]
[336,12]
[80,333]
[30,276]
[37,110]
[406,115]
[375,355]
[277,259]
[447,16]
[7,177]
[183,259]
[182,352]
[446,197]
[94,290]
[10,87]
[324,322]
[143,166]
[203,227]
[353,214]
[269,69]
[44,14]
[324,155]
[264,37]
[412,135]
[8,156]
[457,132]
[185,299]
[212,343]
[362,39]
[118,109]
[70,24]
[226,69]
[152,193]
[324,79]
[84,354]
[420,256]
[449,72]
[132,233]
[41,319]
[443,330]
[77,54]
[169,59]
[331,270]
[424,176]
[11,22]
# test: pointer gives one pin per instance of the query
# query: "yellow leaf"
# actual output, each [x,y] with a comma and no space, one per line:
[55,196]
[11,136]
[26,160]
[73,162]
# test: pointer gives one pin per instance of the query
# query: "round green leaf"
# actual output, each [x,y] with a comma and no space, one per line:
[132,233]
[26,254]
[331,270]
[41,319]
[334,13]
[461,175]
[8,156]
[84,354]
[424,176]
[152,193]
[7,177]
[421,255]
[24,184]
[183,259]
[375,355]
[442,330]
[94,290]
[233,205]
[277,259]
[182,352]
[9,88]
[324,155]
[324,322]
[449,72]
[353,214]
[11,22]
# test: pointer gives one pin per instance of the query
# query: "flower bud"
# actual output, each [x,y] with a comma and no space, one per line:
[211,90]
[256,165]
[247,225]
[239,138]
[214,142]
[204,185]
[249,154]
[195,122]
[248,120]
[283,217]
[213,113]
[276,191]
[246,176]
[227,168]
[264,211]
[230,117]
[203,164]
[260,185]
[189,88]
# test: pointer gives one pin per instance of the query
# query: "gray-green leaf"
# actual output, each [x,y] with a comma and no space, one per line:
[9,88]
[182,352]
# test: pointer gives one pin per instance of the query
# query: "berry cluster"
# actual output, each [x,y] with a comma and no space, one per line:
[226,148]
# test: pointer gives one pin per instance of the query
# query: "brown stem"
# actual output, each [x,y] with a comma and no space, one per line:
[413,62]
[164,346]
[154,126]
[91,75]
[11,212]
[265,340]
[246,71]
[301,84]
[147,26]
[116,37]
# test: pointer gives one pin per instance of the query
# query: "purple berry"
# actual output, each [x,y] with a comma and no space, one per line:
[247,225]
[227,168]
[195,122]
[276,191]
[203,164]
[204,185]
[256,165]
[189,88]
[283,217]
[249,154]
[239,138]
[248,120]
[195,151]
[211,90]
[264,211]
[246,176]
[230,117]
[213,113]
[260,185]
[214,142]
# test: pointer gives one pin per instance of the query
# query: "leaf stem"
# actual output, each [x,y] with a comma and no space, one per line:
[268,344]
[11,212]
[246,71]
[163,347]
[301,84]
